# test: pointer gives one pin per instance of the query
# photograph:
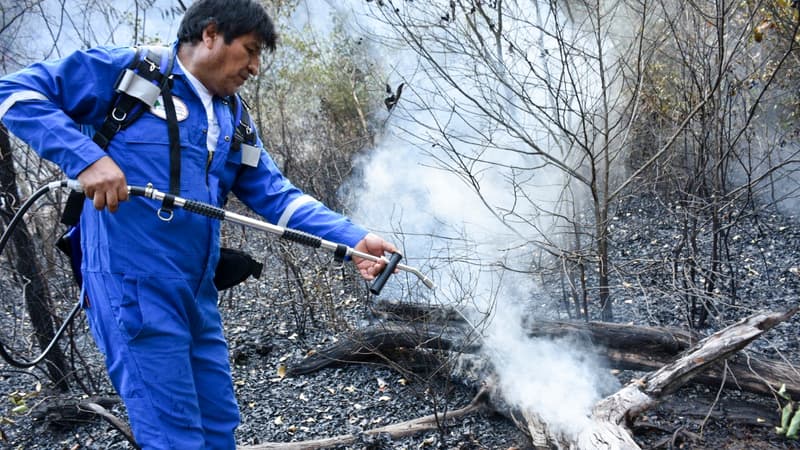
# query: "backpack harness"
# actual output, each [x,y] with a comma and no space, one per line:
[138,89]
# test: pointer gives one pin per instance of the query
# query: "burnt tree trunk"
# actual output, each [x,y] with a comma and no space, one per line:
[408,334]
[36,291]
[611,418]
[613,415]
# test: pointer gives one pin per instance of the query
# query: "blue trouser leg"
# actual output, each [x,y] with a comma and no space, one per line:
[167,358]
[212,374]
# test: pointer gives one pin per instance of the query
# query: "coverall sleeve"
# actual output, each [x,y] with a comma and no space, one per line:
[44,104]
[265,190]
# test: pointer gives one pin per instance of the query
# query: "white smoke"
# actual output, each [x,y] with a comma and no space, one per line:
[554,378]
[449,224]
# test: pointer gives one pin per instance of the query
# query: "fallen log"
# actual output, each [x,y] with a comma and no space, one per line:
[612,418]
[377,341]
[624,346]
[658,339]
[614,415]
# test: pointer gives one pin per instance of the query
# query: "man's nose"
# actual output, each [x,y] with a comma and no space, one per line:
[253,65]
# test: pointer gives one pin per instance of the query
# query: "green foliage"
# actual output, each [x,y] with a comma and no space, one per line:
[314,75]
[19,406]
[317,97]
[790,416]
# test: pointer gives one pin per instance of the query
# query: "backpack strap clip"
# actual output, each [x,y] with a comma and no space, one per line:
[139,87]
[244,136]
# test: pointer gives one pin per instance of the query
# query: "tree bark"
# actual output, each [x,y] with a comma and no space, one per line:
[611,418]
[626,347]
[36,291]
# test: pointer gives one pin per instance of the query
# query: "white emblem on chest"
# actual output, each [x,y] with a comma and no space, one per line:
[181,111]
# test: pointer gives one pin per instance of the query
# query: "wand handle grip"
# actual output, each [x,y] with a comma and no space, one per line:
[380,280]
[302,237]
[204,209]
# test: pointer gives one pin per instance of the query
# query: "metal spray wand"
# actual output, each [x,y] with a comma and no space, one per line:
[340,250]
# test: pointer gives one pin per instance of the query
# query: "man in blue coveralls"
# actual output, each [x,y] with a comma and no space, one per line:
[152,303]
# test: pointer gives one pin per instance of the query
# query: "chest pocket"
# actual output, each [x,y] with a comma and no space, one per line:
[143,152]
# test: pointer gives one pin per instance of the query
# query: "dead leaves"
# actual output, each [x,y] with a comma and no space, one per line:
[360,403]
[281,371]
[760,30]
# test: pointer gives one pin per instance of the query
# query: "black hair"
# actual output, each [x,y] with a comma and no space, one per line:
[233,18]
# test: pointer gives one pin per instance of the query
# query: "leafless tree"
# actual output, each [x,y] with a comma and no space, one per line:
[32,30]
[548,103]
[541,98]
[730,151]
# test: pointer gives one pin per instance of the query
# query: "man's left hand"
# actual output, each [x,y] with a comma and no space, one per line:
[374,245]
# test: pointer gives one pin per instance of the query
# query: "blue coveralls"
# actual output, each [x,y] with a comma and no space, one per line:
[152,304]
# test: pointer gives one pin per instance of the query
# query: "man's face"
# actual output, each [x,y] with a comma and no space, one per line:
[230,65]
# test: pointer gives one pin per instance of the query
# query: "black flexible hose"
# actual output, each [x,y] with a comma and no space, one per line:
[21,212]
[25,364]
[196,207]
[12,224]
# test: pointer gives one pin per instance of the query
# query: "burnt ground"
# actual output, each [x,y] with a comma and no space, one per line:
[274,322]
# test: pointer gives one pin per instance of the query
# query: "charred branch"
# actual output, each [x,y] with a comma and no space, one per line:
[614,414]
[676,362]
[626,347]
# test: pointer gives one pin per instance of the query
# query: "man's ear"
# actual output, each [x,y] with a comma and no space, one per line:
[210,33]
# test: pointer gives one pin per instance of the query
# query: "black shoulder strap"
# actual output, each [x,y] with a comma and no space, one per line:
[244,132]
[137,88]
[174,145]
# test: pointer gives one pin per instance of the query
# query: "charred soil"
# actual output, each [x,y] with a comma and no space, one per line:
[276,321]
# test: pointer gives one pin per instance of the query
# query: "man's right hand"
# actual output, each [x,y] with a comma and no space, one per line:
[104,183]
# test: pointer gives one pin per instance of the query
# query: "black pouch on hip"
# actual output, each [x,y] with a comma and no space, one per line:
[234,267]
